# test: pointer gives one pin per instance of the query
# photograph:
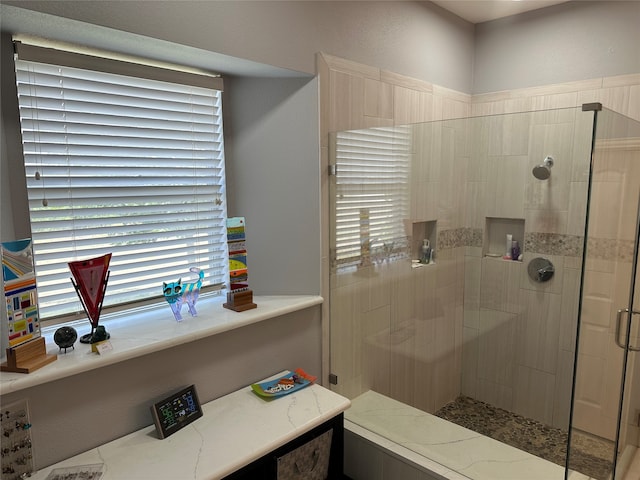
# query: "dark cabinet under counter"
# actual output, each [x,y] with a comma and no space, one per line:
[315,455]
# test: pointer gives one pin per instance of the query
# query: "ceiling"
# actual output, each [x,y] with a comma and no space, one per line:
[478,11]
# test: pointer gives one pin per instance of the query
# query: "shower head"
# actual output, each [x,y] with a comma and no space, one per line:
[543,171]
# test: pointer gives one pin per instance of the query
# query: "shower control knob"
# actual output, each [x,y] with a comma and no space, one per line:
[540,270]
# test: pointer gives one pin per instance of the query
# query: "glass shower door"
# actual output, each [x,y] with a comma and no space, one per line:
[606,397]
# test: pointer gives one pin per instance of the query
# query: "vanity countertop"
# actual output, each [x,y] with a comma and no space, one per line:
[234,431]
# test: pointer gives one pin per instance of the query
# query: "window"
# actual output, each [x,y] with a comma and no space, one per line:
[124,164]
[371,194]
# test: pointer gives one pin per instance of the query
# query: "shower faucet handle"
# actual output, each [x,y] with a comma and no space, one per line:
[540,270]
[545,273]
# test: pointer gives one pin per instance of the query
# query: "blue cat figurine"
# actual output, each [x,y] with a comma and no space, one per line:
[177,293]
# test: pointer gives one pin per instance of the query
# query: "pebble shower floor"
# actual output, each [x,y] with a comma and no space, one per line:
[590,455]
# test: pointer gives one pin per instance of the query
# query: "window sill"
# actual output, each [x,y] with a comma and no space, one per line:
[152,330]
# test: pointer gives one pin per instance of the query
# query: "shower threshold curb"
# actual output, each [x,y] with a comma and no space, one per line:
[441,448]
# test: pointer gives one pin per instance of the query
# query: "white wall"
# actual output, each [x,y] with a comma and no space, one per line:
[416,39]
[11,175]
[274,180]
[564,43]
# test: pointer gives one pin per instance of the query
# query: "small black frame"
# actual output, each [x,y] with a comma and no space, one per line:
[176,411]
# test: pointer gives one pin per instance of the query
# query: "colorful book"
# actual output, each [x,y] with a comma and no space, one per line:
[236,240]
[21,296]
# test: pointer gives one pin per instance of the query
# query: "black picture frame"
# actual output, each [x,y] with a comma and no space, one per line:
[176,411]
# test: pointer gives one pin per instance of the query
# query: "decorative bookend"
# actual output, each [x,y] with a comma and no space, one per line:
[90,279]
[27,348]
[240,296]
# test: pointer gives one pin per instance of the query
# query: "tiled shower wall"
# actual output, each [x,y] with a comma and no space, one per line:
[468,324]
[518,333]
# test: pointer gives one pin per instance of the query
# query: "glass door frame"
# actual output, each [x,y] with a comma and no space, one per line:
[629,308]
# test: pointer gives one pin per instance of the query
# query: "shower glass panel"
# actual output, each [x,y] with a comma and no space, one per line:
[606,398]
[476,329]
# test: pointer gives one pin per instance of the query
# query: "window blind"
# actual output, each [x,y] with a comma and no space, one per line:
[371,194]
[126,165]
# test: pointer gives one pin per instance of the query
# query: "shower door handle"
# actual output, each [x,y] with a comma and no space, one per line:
[619,322]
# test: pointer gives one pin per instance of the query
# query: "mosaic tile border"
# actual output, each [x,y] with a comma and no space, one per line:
[545,244]
[610,249]
[541,243]
[554,244]
[460,237]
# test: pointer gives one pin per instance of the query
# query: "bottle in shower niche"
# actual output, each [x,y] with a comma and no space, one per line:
[515,250]
[508,248]
[426,252]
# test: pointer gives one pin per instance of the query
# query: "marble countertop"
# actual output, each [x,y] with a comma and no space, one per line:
[234,431]
[140,332]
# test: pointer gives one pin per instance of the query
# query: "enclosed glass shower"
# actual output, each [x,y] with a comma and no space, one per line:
[483,271]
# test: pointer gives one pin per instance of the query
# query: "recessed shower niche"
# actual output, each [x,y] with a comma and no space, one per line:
[496,235]
[423,231]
